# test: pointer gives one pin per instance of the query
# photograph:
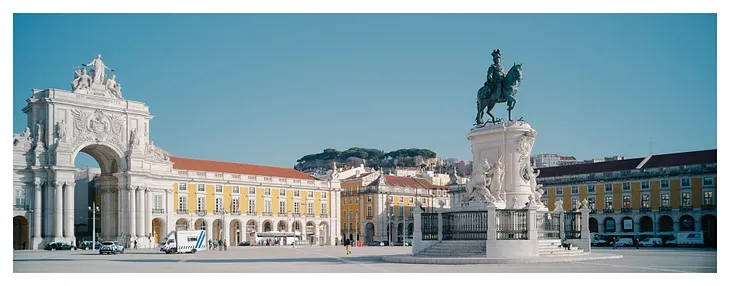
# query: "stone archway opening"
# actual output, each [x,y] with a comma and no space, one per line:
[236,234]
[251,231]
[20,233]
[158,230]
[646,224]
[217,231]
[609,225]
[410,232]
[97,186]
[686,223]
[324,233]
[369,232]
[200,224]
[281,226]
[267,226]
[666,224]
[399,230]
[181,224]
[311,232]
[627,224]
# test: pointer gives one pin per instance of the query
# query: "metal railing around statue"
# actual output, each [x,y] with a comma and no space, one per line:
[464,225]
[548,225]
[511,224]
[572,225]
[429,226]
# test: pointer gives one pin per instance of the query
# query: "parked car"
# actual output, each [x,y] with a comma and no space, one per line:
[244,243]
[59,246]
[651,241]
[109,247]
[88,245]
[120,248]
[597,240]
[625,242]
[686,239]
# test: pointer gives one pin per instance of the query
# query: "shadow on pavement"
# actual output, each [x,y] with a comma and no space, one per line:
[355,259]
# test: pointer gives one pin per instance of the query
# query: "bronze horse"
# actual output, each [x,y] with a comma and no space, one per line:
[507,93]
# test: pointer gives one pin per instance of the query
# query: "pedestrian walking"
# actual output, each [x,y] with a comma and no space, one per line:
[347,246]
[220,245]
[225,244]
[210,244]
[636,242]
[613,242]
[135,244]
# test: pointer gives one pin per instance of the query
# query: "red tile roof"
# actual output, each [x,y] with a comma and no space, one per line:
[416,183]
[237,168]
[663,160]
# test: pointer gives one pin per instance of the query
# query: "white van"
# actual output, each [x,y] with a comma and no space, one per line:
[651,241]
[184,241]
[625,242]
[686,238]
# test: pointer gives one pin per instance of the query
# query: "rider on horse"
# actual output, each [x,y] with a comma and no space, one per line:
[495,75]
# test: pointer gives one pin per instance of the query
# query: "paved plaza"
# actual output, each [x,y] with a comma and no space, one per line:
[332,259]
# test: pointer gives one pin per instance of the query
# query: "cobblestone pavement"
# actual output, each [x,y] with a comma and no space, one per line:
[332,259]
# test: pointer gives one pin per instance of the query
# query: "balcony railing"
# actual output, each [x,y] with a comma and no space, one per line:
[685,208]
[235,212]
[626,210]
[282,214]
[369,217]
[20,207]
[645,209]
[310,214]
[201,212]
[324,215]
[158,211]
[181,211]
[665,209]
[267,213]
[608,211]
[708,207]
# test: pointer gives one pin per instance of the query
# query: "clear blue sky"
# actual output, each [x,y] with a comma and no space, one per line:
[269,89]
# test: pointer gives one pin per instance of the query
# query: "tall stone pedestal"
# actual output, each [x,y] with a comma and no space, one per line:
[512,142]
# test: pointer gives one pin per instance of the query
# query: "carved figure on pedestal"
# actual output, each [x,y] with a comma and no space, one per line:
[453,176]
[497,174]
[61,131]
[132,138]
[81,80]
[537,194]
[113,87]
[98,74]
[39,133]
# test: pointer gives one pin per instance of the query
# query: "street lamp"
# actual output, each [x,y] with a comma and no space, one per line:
[93,209]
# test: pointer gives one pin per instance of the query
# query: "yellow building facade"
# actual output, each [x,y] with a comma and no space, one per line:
[655,196]
[234,202]
[379,208]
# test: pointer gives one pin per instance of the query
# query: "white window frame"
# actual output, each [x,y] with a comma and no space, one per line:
[182,201]
[267,192]
[704,180]
[218,188]
[236,190]
[370,211]
[608,188]
[661,199]
[282,192]
[235,208]
[648,200]
[252,190]
[182,187]
[681,199]
[645,183]
[310,194]
[624,189]
[606,200]
[623,201]
[574,189]
[310,208]
[323,211]
[661,184]
[322,195]
[558,191]
[200,206]
[20,197]
[158,202]
[688,180]
[267,206]
[199,190]
[591,188]
[282,207]
[251,206]
[218,205]
[400,199]
[296,193]
[297,208]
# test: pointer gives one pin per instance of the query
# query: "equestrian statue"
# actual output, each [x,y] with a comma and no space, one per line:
[499,88]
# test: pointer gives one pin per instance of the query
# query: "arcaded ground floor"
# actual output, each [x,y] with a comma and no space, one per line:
[332,259]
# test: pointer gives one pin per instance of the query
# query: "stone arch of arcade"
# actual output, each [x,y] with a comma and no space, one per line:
[92,118]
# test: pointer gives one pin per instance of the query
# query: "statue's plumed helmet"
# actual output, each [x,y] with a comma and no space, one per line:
[496,53]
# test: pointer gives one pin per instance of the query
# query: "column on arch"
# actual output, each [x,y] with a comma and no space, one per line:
[37,212]
[58,212]
[68,214]
[132,212]
[141,212]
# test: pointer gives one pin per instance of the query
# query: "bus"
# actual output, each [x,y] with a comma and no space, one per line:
[283,238]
